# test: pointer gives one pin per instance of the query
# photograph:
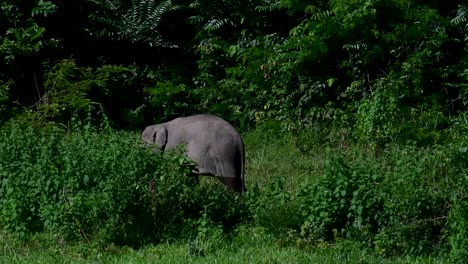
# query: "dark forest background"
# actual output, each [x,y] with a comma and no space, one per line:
[385,70]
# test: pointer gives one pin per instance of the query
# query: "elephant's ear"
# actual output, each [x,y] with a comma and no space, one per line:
[160,138]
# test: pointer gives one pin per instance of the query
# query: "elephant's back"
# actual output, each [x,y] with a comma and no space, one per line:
[209,124]
[201,118]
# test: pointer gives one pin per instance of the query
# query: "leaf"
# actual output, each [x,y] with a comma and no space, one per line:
[331,81]
[44,8]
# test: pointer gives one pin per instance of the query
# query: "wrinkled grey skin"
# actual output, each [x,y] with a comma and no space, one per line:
[214,145]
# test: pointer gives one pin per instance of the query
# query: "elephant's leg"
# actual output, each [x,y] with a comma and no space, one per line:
[232,181]
[227,170]
[199,153]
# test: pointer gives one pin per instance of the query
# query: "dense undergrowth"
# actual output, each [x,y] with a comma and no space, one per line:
[102,187]
[401,199]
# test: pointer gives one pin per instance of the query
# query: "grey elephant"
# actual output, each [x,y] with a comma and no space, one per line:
[211,142]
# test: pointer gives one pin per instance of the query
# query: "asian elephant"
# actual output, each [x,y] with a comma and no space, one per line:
[211,142]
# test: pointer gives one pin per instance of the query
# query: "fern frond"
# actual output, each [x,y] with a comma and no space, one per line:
[321,15]
[269,6]
[43,8]
[216,24]
[149,12]
[462,16]
[194,4]
[356,46]
[195,19]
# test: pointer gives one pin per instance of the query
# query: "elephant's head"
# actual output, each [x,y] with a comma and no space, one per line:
[155,134]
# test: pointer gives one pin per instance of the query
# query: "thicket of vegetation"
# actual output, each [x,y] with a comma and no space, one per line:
[354,114]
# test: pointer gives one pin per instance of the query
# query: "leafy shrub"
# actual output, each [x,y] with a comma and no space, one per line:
[167,100]
[339,199]
[378,118]
[416,195]
[397,200]
[71,90]
[458,215]
[4,98]
[275,208]
[458,232]
[101,186]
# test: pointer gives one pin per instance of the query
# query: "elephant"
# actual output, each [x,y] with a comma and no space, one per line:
[210,141]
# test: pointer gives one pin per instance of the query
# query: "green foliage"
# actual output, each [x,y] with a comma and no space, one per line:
[24,37]
[71,91]
[341,200]
[457,220]
[212,16]
[143,19]
[167,99]
[21,42]
[249,245]
[381,60]
[367,64]
[138,24]
[16,13]
[396,200]
[379,117]
[458,226]
[372,94]
[461,22]
[276,209]
[4,96]
[103,186]
[422,181]
[44,8]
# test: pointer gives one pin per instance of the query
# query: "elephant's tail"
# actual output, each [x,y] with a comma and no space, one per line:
[242,163]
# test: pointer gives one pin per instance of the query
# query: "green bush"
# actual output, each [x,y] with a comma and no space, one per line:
[341,199]
[458,215]
[397,200]
[101,186]
[458,232]
[416,192]
[275,208]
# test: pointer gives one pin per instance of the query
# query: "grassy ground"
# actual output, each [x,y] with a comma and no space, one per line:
[269,157]
[254,246]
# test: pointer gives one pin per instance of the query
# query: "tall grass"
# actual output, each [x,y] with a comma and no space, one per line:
[309,202]
[396,200]
[251,246]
